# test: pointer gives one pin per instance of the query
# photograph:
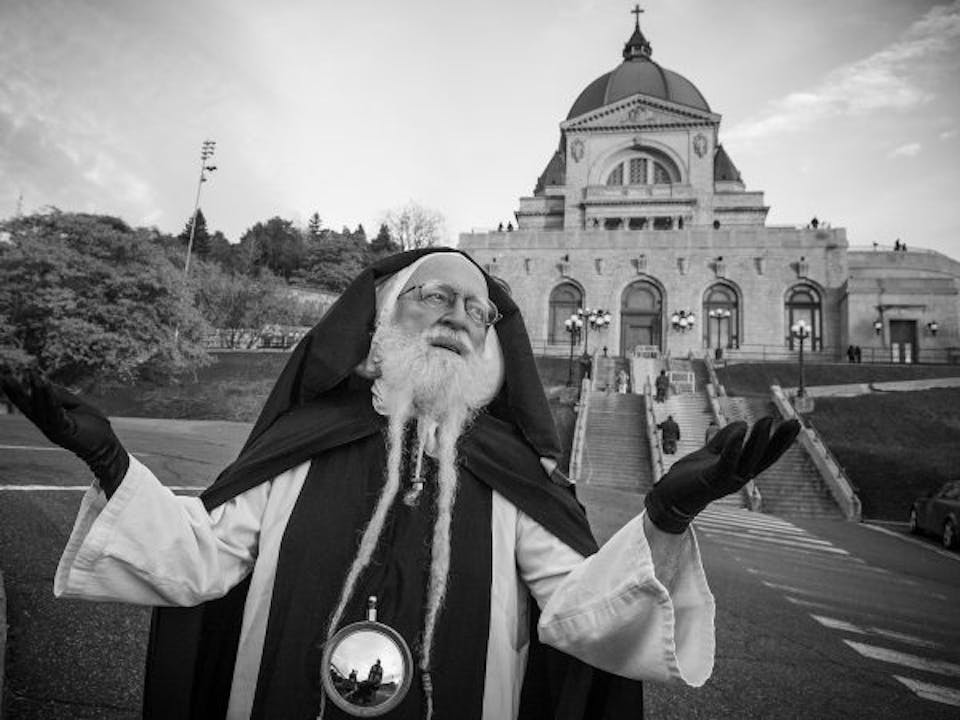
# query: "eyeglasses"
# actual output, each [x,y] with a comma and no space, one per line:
[442,297]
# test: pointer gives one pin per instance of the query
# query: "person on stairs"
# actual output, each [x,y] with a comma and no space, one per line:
[670,434]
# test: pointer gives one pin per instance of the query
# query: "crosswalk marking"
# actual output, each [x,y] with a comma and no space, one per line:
[53,448]
[788,588]
[940,667]
[32,447]
[811,553]
[929,691]
[745,535]
[809,603]
[808,543]
[758,530]
[745,519]
[844,626]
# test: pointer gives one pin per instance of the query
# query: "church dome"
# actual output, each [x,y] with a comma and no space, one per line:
[638,74]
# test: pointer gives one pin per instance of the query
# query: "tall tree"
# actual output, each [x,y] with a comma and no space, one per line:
[314,226]
[334,263]
[201,237]
[383,244]
[85,296]
[415,226]
[276,245]
[221,251]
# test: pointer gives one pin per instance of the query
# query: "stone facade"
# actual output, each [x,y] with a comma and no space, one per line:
[642,213]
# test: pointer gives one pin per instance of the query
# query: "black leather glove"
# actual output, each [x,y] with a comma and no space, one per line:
[722,466]
[72,424]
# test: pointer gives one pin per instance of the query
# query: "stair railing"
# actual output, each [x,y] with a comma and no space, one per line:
[653,437]
[579,430]
[823,460]
[715,391]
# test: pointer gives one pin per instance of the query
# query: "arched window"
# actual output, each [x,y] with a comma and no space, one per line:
[803,303]
[565,299]
[643,169]
[721,317]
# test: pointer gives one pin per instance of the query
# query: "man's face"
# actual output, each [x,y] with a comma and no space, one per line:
[417,317]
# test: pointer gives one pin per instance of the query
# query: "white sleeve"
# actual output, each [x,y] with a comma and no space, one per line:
[611,611]
[150,547]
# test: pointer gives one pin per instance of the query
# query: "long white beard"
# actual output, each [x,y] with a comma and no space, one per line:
[442,392]
[428,382]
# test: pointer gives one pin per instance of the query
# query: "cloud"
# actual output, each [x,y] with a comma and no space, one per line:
[890,79]
[908,150]
[948,134]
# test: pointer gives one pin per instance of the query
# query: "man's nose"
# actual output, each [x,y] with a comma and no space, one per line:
[457,314]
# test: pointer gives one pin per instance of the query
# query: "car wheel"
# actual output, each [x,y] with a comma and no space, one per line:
[949,534]
[914,521]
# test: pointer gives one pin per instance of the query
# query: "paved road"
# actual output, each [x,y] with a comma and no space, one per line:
[816,619]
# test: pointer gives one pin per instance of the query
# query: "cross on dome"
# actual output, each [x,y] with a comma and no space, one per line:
[637,47]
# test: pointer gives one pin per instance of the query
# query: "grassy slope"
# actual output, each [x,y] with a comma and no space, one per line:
[893,446]
[746,379]
[233,388]
[236,386]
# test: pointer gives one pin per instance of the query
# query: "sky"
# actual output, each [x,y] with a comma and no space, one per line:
[846,111]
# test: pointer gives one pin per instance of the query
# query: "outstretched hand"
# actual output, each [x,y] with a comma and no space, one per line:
[722,466]
[71,423]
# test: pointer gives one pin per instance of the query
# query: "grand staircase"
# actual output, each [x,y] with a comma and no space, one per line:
[693,414]
[615,452]
[792,486]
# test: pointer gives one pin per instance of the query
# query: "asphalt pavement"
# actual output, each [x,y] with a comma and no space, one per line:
[816,619]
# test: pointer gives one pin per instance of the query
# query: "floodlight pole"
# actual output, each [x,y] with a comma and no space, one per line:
[206,152]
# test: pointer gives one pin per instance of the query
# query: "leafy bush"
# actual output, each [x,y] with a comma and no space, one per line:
[84,297]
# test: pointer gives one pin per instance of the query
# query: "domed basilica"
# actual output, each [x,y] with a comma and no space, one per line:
[642,213]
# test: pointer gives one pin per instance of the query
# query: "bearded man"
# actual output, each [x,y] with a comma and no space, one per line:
[406,452]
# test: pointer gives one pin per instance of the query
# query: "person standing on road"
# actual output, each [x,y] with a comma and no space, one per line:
[407,451]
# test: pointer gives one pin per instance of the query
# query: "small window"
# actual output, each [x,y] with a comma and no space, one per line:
[663,223]
[638,171]
[637,223]
[612,223]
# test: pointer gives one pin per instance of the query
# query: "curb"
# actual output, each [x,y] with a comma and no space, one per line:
[3,637]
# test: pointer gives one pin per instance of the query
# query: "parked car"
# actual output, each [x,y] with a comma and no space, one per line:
[939,514]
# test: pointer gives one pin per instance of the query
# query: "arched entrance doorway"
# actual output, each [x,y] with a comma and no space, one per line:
[641,317]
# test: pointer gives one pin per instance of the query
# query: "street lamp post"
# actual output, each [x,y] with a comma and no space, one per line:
[573,325]
[597,320]
[719,314]
[801,331]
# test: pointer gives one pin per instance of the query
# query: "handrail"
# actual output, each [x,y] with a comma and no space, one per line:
[826,463]
[653,437]
[715,390]
[877,355]
[579,430]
